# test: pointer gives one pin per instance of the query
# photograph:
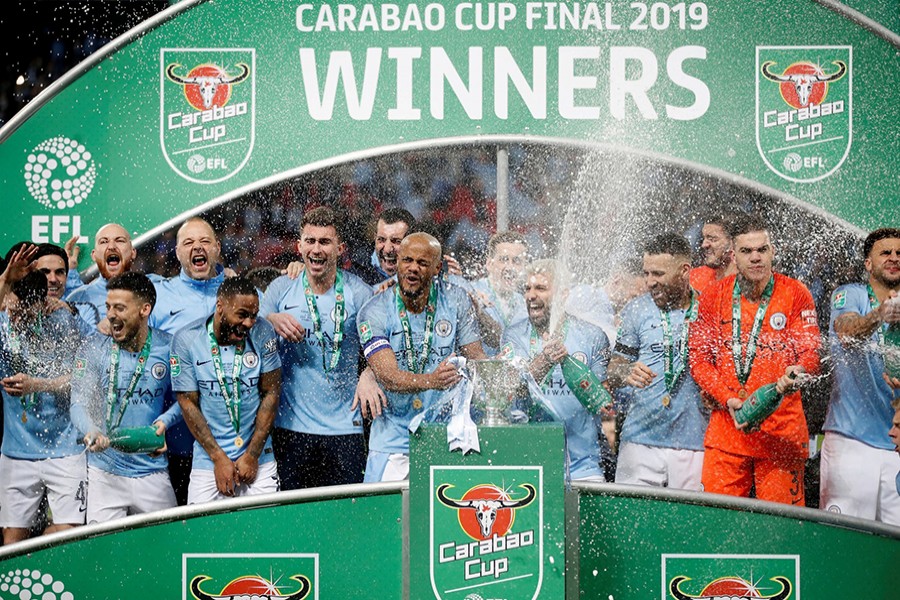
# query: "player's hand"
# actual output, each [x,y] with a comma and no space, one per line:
[160,430]
[294,269]
[733,405]
[369,396]
[103,326]
[287,327]
[19,384]
[226,474]
[51,305]
[73,251]
[229,272]
[19,264]
[96,442]
[555,351]
[453,266]
[481,299]
[791,381]
[893,382]
[445,376]
[385,285]
[889,310]
[640,375]
[246,467]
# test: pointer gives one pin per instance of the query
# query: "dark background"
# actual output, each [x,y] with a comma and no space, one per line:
[42,39]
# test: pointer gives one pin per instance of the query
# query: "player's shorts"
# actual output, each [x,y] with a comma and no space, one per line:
[203,484]
[775,479]
[660,467]
[859,480]
[308,460]
[116,496]
[384,466]
[24,482]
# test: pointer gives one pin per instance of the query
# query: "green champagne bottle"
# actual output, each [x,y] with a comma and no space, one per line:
[892,350]
[585,385]
[137,440]
[759,406]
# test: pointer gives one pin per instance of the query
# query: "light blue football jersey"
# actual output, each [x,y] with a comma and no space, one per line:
[503,312]
[192,370]
[46,351]
[313,401]
[586,343]
[680,425]
[152,399]
[380,329]
[860,404]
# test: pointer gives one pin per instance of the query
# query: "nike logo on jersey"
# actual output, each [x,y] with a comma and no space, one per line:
[292,307]
[200,363]
[172,313]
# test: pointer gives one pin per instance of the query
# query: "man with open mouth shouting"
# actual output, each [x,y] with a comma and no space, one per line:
[181,300]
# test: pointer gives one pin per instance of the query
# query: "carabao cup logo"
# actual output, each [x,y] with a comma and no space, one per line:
[207,105]
[804,117]
[730,576]
[486,532]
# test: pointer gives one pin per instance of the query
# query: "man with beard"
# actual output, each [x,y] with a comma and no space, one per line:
[391,227]
[408,336]
[662,437]
[182,300]
[123,381]
[500,292]
[716,253]
[226,374]
[40,453]
[318,435]
[532,339]
[113,254]
[858,464]
[755,328]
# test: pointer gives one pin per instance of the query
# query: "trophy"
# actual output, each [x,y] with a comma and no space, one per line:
[496,381]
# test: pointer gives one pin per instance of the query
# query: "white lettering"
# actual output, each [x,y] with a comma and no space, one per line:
[569,82]
[620,86]
[470,96]
[506,70]
[679,77]
[340,64]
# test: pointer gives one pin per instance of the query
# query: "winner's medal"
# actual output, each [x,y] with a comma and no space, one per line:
[743,363]
[417,403]
[232,401]
[24,417]
[672,377]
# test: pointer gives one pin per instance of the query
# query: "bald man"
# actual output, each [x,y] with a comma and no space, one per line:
[408,334]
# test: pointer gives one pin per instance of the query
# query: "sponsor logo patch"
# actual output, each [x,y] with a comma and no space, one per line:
[174,365]
[839,300]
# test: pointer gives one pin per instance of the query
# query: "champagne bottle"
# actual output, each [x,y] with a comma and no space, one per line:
[585,385]
[136,440]
[760,405]
[892,350]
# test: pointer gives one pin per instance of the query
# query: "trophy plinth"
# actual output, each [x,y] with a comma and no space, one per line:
[495,382]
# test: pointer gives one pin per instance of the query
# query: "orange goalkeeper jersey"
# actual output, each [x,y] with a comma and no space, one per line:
[789,336]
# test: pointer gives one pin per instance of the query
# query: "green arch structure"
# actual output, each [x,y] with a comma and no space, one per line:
[681,81]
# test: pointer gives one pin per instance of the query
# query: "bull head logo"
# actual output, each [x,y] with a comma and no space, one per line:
[486,508]
[230,594]
[209,79]
[710,594]
[803,82]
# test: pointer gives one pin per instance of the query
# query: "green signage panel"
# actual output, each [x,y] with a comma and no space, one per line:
[633,549]
[214,99]
[487,524]
[301,551]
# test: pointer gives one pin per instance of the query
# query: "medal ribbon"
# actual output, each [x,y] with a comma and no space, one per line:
[874,303]
[339,317]
[430,309]
[232,403]
[672,377]
[502,308]
[743,364]
[16,348]
[111,396]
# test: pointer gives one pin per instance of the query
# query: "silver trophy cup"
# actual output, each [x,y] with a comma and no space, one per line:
[495,383]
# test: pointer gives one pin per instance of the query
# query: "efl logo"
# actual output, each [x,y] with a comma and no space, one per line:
[732,576]
[260,576]
[207,111]
[486,532]
[804,109]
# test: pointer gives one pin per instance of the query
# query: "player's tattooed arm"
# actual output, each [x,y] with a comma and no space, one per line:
[854,328]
